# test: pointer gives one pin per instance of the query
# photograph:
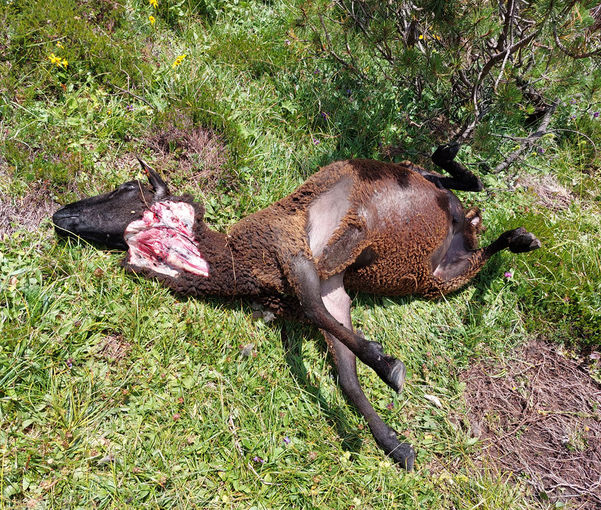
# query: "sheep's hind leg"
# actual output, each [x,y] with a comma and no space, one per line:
[518,240]
[306,282]
[338,303]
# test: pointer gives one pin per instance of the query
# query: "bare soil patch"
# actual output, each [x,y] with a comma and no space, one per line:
[27,212]
[195,154]
[539,417]
[113,348]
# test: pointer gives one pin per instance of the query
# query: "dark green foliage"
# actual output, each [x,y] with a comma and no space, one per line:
[479,59]
[75,32]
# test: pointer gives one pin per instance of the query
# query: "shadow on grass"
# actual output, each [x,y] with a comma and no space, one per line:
[292,343]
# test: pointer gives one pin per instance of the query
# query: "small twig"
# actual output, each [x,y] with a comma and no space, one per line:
[232,427]
[502,38]
[501,71]
[570,53]
[132,94]
[506,25]
[238,446]
[580,490]
[528,142]
[329,47]
[486,69]
[509,137]
[581,134]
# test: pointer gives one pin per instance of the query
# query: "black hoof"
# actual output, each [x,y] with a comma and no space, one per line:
[401,453]
[521,241]
[445,153]
[397,375]
[404,456]
[391,370]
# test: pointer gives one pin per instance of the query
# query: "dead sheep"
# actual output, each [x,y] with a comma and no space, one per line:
[358,225]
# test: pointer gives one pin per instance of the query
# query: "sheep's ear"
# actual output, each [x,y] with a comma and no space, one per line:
[159,186]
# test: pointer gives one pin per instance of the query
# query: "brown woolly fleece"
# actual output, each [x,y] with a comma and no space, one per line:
[385,244]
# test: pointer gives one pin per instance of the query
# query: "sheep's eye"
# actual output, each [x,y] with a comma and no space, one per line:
[128,186]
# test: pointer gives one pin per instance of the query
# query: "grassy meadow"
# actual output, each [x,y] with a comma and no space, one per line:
[115,393]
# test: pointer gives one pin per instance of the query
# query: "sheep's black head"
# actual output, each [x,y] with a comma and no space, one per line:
[104,218]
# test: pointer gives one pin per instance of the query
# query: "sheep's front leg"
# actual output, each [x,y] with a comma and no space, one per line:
[462,179]
[460,265]
[307,285]
[337,302]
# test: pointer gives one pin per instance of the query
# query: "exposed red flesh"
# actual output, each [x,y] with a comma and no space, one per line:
[163,240]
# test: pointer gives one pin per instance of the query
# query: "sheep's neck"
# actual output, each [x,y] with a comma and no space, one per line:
[224,270]
[165,244]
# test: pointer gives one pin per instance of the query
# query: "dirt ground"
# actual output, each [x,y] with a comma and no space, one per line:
[191,153]
[538,415]
[25,213]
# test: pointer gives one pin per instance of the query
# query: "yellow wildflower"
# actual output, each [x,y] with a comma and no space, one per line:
[54,59]
[152,20]
[179,60]
[57,61]
[59,44]
[154,3]
[421,36]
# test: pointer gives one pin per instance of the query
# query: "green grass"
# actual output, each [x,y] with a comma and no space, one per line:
[181,419]
[115,393]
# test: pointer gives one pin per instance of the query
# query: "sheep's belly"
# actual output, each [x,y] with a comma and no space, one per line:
[162,241]
[400,266]
[383,280]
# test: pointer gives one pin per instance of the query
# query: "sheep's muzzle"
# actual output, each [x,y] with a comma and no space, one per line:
[163,241]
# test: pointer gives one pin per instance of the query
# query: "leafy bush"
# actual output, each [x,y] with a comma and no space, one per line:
[483,61]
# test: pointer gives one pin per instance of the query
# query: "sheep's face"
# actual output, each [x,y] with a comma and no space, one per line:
[103,219]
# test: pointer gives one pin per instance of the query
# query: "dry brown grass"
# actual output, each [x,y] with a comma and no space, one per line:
[549,192]
[113,348]
[195,154]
